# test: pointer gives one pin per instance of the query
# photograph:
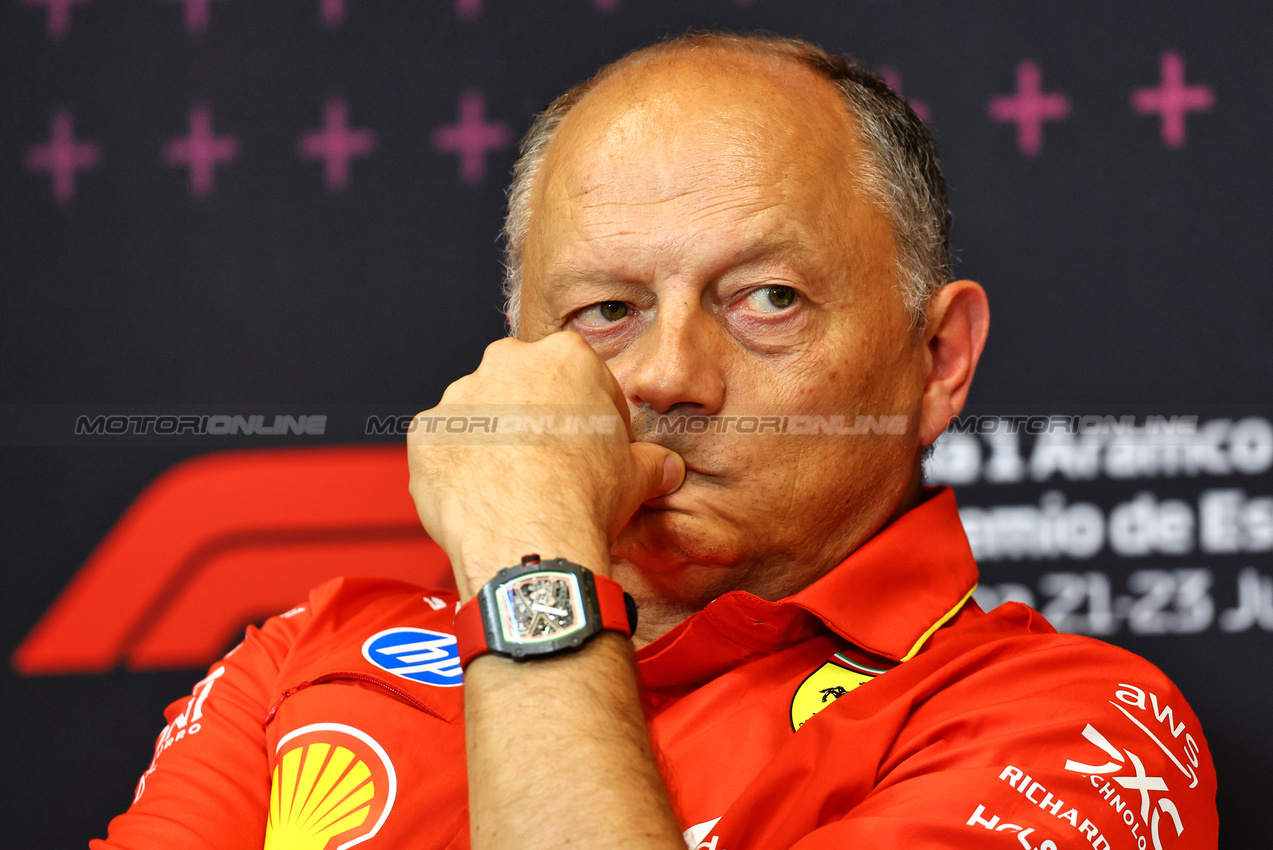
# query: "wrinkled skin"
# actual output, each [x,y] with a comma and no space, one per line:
[697,223]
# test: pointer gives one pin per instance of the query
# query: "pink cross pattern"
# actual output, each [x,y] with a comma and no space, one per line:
[57,15]
[1029,108]
[201,151]
[605,6]
[894,81]
[63,156]
[468,9]
[336,144]
[472,137]
[196,14]
[1173,100]
[332,12]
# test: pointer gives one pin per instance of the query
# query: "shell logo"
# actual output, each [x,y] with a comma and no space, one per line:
[333,787]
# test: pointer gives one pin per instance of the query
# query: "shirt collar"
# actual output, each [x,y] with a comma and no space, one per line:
[903,584]
[887,597]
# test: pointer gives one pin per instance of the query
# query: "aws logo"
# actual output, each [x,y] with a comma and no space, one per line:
[333,787]
[227,539]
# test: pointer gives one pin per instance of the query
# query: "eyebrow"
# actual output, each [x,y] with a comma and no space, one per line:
[755,254]
[763,251]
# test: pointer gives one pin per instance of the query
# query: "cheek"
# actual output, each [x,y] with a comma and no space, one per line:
[877,363]
[842,375]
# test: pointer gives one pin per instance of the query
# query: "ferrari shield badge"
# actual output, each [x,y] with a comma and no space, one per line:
[831,681]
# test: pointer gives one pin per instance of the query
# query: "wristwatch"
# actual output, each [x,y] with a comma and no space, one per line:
[538,609]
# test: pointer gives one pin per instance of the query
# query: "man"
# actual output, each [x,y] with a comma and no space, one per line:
[736,249]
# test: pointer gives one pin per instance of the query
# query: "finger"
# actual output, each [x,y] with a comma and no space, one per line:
[610,383]
[659,470]
[619,398]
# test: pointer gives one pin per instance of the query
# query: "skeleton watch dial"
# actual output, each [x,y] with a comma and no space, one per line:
[540,606]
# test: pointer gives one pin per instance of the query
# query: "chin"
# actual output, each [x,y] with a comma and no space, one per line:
[660,538]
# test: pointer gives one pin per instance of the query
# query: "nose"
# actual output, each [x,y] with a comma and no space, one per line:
[679,360]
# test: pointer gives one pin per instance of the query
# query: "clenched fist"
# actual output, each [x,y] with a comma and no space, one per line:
[532,453]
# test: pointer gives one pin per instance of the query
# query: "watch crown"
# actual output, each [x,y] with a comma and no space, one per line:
[529,559]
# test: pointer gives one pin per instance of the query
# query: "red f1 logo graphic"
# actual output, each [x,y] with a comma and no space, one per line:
[226,539]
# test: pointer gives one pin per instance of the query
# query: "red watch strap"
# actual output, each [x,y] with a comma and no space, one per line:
[470,635]
[614,611]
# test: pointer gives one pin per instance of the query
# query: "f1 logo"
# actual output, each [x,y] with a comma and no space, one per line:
[226,539]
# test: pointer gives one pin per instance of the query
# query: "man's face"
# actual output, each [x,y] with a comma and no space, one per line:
[697,221]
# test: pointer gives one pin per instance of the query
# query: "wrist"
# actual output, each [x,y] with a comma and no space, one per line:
[541,608]
[477,563]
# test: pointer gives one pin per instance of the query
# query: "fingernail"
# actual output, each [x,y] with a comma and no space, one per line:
[673,473]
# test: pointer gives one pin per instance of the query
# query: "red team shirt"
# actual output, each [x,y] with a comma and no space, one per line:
[879,707]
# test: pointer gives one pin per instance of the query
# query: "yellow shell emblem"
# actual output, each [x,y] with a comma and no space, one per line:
[332,788]
[823,687]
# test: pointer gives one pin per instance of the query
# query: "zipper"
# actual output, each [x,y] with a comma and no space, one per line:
[347,676]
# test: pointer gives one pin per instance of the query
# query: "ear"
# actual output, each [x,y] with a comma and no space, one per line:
[958,321]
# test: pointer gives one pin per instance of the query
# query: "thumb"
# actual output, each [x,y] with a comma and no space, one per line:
[659,470]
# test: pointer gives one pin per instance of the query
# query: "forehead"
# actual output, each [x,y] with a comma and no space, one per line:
[752,104]
[701,129]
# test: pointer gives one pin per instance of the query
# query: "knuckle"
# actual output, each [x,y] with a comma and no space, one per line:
[501,347]
[573,349]
[455,393]
[571,341]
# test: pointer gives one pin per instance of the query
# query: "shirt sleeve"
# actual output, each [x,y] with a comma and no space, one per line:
[1076,746]
[208,785]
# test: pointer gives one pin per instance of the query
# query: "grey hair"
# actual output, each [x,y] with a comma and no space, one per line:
[902,177]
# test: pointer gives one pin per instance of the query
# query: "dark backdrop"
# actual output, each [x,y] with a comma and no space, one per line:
[1127,260]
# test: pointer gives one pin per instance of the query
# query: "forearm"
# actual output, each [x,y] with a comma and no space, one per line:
[558,754]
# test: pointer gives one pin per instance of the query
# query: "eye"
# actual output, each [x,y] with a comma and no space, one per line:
[771,299]
[605,312]
[612,311]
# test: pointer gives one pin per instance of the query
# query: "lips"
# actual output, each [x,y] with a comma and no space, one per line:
[694,465]
[683,445]
[696,484]
[688,446]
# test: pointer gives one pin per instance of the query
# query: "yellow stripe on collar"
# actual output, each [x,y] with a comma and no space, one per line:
[923,639]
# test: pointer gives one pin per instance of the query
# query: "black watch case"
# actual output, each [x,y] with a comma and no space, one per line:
[539,608]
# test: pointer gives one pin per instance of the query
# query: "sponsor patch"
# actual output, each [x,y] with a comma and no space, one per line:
[333,787]
[696,836]
[1023,833]
[420,655]
[1124,773]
